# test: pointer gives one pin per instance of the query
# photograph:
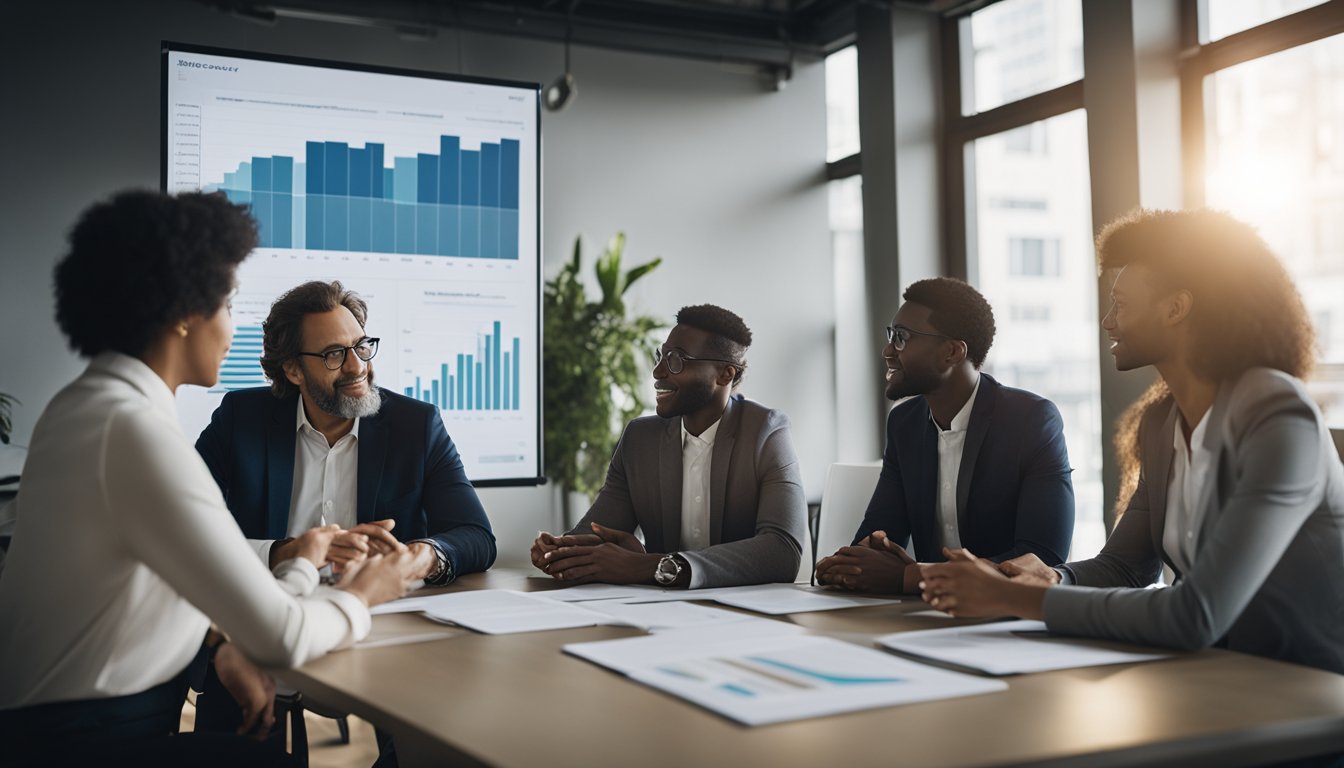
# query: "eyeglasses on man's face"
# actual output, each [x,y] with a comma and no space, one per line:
[898,335]
[333,359]
[676,360]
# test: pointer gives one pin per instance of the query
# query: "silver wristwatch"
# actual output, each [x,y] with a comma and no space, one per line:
[443,568]
[669,568]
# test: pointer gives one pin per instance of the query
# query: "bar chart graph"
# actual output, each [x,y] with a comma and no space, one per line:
[419,191]
[486,378]
[242,363]
[337,197]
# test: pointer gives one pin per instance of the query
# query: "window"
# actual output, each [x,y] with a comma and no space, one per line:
[1033,257]
[1023,47]
[1227,17]
[1030,313]
[1027,140]
[842,104]
[1274,156]
[1047,333]
[1022,170]
[855,359]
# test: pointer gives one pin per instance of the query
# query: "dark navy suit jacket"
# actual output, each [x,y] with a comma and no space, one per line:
[409,471]
[1014,492]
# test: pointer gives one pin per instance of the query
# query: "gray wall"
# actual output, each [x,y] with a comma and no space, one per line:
[692,160]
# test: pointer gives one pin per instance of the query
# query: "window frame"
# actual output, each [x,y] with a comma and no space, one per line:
[960,132]
[1201,59]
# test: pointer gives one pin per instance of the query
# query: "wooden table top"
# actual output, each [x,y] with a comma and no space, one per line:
[518,700]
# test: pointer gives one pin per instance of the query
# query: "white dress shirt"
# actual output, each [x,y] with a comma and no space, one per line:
[951,443]
[125,552]
[326,481]
[1189,472]
[697,453]
[325,478]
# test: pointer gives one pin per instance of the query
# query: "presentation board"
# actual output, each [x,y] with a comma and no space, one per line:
[419,191]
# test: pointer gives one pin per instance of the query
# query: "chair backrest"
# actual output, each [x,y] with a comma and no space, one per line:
[843,500]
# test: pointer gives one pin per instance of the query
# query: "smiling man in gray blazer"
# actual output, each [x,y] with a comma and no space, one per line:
[712,480]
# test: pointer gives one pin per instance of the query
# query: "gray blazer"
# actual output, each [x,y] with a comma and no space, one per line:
[757,511]
[1268,576]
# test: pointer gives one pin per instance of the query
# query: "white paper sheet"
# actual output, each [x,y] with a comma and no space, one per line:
[776,599]
[760,679]
[586,592]
[404,605]
[1009,648]
[499,612]
[665,615]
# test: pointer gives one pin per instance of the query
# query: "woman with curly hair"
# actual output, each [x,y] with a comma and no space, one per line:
[125,553]
[1239,489]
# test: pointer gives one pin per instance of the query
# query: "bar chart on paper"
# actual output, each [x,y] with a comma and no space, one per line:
[338,197]
[485,378]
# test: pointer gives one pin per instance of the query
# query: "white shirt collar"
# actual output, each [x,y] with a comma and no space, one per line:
[139,375]
[1196,435]
[303,422]
[963,418]
[706,437]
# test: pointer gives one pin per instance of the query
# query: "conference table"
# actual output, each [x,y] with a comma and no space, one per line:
[465,698]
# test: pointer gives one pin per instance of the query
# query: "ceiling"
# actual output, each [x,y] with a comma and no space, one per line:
[768,33]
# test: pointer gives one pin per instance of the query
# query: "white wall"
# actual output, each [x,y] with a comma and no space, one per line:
[692,160]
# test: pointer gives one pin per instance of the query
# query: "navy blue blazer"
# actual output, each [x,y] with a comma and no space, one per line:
[409,471]
[1014,492]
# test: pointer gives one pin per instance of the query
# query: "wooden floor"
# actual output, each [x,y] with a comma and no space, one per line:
[325,749]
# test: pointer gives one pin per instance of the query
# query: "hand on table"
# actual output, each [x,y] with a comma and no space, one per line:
[967,586]
[617,557]
[1029,569]
[379,578]
[874,564]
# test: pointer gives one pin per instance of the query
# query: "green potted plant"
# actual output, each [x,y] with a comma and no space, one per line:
[596,364]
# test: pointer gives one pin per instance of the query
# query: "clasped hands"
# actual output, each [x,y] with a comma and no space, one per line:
[346,548]
[874,564]
[966,585]
[606,555]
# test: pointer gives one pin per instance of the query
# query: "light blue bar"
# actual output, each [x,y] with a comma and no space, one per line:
[443,382]
[404,179]
[461,382]
[517,380]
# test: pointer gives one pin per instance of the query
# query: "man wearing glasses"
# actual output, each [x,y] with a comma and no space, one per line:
[323,446]
[969,463]
[712,480]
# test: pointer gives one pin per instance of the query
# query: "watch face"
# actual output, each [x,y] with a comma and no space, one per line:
[667,571]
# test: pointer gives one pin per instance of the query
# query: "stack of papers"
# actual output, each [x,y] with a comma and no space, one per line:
[773,599]
[498,611]
[1009,648]
[757,674]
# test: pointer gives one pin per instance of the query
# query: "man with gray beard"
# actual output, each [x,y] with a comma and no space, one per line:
[322,446]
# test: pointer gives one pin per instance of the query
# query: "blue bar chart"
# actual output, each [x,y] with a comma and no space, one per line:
[242,363]
[338,197]
[486,378]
